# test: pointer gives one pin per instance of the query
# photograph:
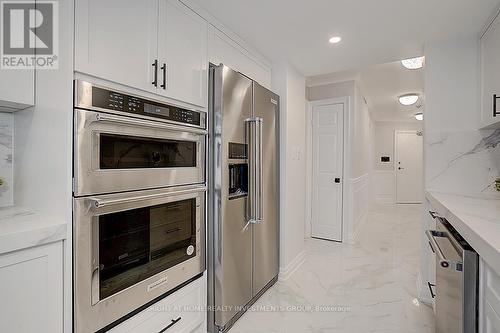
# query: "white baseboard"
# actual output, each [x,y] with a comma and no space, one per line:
[287,272]
[385,200]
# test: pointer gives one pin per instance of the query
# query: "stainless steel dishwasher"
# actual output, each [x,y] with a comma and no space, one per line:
[456,300]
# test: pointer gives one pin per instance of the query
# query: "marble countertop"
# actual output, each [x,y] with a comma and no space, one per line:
[21,228]
[477,219]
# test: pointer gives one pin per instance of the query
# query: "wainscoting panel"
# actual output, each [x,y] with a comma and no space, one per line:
[384,186]
[359,202]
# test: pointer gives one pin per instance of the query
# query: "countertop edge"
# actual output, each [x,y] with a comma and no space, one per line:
[29,229]
[486,250]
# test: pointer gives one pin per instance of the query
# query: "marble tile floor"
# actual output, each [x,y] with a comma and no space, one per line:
[369,286]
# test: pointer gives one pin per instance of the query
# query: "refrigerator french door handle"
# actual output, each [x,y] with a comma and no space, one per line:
[250,141]
[254,141]
[259,209]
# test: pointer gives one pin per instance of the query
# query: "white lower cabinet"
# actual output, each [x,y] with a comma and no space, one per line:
[31,290]
[182,312]
[489,299]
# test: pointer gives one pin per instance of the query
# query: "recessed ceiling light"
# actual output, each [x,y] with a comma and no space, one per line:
[335,39]
[413,63]
[419,116]
[408,99]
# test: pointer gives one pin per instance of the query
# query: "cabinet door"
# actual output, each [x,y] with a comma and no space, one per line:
[17,89]
[31,290]
[490,67]
[116,40]
[223,50]
[182,48]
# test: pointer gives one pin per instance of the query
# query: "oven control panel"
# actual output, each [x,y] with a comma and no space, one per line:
[111,100]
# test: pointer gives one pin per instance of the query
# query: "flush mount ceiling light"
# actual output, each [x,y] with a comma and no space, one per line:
[413,63]
[408,99]
[419,116]
[335,39]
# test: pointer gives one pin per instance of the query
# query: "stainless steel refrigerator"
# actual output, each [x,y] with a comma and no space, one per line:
[243,237]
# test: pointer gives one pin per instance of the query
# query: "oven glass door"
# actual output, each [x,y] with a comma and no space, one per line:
[129,152]
[139,243]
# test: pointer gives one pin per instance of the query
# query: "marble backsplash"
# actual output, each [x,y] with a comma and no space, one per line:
[463,162]
[6,162]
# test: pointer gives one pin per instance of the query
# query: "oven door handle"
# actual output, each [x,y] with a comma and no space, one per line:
[101,117]
[101,203]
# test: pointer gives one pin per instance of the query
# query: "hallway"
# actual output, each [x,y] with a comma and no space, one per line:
[365,287]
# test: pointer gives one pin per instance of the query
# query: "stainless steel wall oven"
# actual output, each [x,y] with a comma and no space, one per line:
[139,203]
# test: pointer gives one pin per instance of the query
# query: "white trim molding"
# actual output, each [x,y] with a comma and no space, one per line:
[384,186]
[286,272]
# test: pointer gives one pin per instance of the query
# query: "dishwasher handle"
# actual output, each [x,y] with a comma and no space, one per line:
[443,261]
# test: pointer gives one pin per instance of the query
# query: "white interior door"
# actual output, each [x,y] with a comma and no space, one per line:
[328,146]
[409,167]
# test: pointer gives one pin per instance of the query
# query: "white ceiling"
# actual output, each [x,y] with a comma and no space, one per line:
[373,31]
[381,85]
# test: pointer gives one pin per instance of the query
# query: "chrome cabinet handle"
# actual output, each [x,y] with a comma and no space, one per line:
[495,112]
[164,71]
[155,74]
[172,323]
[431,234]
[101,117]
[433,295]
[434,215]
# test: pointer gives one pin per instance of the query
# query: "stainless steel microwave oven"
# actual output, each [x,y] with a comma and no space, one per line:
[126,143]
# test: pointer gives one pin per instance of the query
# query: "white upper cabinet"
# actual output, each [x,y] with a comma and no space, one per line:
[17,89]
[490,75]
[224,50]
[158,46]
[116,40]
[182,53]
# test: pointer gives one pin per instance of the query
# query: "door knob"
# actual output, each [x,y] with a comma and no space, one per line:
[400,168]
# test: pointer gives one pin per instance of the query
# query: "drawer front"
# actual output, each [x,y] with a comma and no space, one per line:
[183,311]
[491,285]
[491,323]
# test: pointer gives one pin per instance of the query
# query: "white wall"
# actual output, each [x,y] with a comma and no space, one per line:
[290,85]
[383,186]
[331,90]
[384,140]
